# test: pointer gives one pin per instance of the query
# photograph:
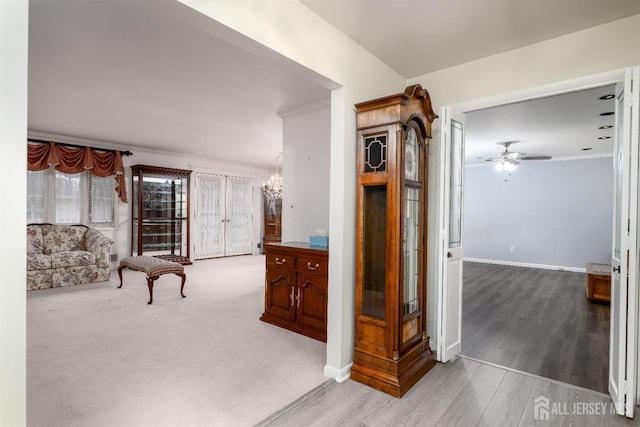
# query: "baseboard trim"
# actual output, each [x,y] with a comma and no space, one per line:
[527,265]
[340,375]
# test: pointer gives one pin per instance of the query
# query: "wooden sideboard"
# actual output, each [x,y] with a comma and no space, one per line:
[598,282]
[296,288]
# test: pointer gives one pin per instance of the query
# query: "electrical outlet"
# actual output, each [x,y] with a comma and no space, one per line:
[512,249]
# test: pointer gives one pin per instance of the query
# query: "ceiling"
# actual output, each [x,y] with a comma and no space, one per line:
[157,74]
[416,37]
[561,126]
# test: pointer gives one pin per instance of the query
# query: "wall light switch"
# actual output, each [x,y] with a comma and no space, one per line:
[512,249]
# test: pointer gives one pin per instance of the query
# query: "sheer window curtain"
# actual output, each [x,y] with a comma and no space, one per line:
[60,198]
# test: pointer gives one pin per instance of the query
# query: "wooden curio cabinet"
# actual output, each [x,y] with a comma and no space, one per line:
[272,220]
[160,213]
[391,342]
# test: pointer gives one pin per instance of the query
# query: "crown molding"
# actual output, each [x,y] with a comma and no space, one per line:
[302,109]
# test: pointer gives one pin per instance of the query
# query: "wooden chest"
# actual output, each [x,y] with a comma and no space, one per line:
[598,282]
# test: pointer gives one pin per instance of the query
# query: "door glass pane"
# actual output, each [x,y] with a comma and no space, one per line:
[455,186]
[239,216]
[210,216]
[619,169]
[410,234]
[374,253]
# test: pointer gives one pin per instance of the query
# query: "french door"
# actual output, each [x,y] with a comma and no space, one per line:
[623,348]
[223,216]
[624,254]
[450,243]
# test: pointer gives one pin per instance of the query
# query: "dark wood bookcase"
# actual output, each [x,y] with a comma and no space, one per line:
[160,213]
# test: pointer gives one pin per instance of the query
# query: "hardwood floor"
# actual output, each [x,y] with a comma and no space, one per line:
[535,321]
[462,392]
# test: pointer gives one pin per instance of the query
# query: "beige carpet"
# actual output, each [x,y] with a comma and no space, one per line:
[100,356]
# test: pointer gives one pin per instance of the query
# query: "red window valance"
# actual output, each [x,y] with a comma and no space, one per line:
[75,160]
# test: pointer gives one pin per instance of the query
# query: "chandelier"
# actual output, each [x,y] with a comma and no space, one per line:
[272,189]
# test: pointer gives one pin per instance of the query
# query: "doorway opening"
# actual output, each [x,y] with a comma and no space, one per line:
[529,233]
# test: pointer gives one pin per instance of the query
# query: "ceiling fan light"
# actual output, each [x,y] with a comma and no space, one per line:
[499,166]
[510,167]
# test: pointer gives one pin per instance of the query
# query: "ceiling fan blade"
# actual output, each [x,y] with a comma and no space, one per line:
[536,157]
[515,154]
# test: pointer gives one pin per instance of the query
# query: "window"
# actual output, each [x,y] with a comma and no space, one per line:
[101,196]
[61,198]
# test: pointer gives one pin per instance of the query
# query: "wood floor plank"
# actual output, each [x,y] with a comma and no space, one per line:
[509,402]
[329,401]
[524,318]
[441,392]
[462,392]
[473,400]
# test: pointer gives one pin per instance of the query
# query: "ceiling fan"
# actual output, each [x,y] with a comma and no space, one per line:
[509,160]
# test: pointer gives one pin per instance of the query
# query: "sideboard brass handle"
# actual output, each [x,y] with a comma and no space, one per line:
[280,261]
[291,296]
[312,267]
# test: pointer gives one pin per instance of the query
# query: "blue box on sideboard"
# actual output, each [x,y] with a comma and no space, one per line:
[322,241]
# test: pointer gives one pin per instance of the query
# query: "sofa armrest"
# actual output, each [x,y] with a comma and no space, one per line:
[99,244]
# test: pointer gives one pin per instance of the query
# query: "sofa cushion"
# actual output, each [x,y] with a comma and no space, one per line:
[34,239]
[76,276]
[63,238]
[38,262]
[72,259]
[39,279]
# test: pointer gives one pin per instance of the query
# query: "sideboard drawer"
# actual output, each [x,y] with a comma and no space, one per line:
[312,265]
[281,260]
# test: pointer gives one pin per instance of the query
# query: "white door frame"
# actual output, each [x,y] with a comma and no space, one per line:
[611,77]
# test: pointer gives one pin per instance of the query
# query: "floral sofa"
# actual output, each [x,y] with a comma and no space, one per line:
[63,255]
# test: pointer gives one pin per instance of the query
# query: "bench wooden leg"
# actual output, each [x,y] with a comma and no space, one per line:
[184,278]
[120,273]
[150,285]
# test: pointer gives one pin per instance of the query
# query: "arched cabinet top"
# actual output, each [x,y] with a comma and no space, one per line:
[413,104]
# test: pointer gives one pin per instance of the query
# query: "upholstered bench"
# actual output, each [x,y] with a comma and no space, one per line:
[153,267]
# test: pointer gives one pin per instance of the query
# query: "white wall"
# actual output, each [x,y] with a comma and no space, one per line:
[331,54]
[592,51]
[292,30]
[306,143]
[556,213]
[13,251]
